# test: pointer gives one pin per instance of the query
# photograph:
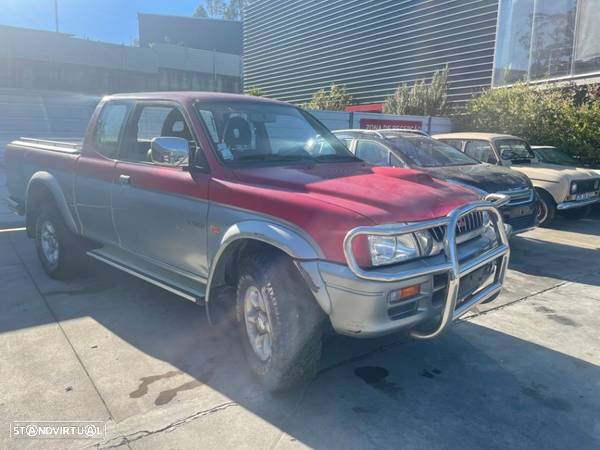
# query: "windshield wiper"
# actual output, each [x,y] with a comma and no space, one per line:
[335,157]
[272,157]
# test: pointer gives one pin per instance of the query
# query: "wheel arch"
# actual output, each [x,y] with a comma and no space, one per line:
[43,186]
[251,236]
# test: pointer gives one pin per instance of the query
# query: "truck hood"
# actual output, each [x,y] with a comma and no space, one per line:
[554,172]
[482,176]
[379,194]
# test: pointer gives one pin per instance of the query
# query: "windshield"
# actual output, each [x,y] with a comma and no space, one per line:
[426,152]
[253,132]
[514,149]
[554,156]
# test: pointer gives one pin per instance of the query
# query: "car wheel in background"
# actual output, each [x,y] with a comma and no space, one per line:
[280,322]
[546,209]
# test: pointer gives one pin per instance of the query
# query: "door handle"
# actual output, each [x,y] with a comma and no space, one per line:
[124,179]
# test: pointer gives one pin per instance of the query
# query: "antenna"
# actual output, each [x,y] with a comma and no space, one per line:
[56,15]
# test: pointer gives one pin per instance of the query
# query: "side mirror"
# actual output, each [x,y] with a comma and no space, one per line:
[170,151]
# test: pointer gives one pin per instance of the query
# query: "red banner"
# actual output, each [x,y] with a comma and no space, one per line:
[381,124]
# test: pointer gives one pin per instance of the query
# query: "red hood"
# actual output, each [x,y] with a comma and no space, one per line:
[381,194]
[328,200]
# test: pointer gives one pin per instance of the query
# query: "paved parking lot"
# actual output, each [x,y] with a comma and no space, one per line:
[522,373]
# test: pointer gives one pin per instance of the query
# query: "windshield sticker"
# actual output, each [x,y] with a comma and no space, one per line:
[225,152]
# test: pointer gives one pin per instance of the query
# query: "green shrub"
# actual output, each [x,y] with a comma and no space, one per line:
[334,99]
[255,91]
[567,117]
[420,99]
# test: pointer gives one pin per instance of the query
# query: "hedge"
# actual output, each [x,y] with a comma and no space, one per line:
[567,117]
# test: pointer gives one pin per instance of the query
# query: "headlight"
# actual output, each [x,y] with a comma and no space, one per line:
[597,185]
[573,188]
[404,247]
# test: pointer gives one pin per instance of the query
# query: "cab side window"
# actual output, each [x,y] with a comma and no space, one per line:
[481,151]
[109,128]
[152,121]
[373,153]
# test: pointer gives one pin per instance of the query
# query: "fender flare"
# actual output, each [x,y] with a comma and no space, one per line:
[295,243]
[49,182]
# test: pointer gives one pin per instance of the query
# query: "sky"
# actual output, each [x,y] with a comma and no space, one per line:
[101,20]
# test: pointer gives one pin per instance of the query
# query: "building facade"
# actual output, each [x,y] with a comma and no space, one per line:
[48,61]
[292,49]
[540,40]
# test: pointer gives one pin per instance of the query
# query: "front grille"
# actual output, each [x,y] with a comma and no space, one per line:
[519,196]
[466,224]
[584,186]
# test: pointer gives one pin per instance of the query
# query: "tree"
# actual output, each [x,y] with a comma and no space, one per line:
[334,99]
[234,10]
[255,91]
[200,12]
[221,9]
[421,99]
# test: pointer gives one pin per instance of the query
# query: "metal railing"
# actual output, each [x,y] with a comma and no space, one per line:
[499,254]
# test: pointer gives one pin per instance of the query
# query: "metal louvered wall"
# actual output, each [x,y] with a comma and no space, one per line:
[293,48]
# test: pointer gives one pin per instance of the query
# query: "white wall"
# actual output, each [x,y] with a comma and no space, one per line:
[341,120]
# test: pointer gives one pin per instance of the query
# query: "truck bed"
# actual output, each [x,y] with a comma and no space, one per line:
[26,156]
[63,145]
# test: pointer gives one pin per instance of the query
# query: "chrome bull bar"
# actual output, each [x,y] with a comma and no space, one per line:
[499,254]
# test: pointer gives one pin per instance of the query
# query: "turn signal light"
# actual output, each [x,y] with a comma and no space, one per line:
[410,291]
[405,293]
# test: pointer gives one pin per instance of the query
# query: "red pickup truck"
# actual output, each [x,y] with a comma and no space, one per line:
[252,206]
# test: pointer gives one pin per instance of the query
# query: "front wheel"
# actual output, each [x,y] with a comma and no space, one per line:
[279,321]
[546,208]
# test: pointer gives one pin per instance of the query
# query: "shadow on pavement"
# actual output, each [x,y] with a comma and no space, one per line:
[473,388]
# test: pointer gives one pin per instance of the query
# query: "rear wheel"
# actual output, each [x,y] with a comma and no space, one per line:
[546,208]
[58,249]
[279,321]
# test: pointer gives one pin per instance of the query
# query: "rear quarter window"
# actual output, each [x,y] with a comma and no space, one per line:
[109,127]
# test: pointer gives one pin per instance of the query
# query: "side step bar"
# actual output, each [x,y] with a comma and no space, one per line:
[198,299]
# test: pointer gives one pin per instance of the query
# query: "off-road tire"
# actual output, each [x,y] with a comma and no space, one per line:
[548,208]
[577,213]
[296,321]
[70,248]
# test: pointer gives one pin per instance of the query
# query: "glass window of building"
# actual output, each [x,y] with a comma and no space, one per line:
[544,40]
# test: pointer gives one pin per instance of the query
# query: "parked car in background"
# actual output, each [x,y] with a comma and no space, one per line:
[568,189]
[552,155]
[405,148]
[252,207]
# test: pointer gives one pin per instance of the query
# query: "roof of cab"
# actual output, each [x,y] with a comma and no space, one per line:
[184,96]
[474,135]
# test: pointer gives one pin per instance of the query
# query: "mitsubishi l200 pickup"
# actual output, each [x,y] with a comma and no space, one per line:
[204,193]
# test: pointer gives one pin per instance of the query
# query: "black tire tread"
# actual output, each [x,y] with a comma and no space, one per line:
[302,353]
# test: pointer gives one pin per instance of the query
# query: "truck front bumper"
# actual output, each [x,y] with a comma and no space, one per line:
[364,303]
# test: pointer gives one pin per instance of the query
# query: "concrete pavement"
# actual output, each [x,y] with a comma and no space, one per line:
[522,372]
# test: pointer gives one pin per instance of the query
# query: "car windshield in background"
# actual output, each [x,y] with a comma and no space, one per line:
[553,155]
[514,149]
[426,152]
[248,132]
